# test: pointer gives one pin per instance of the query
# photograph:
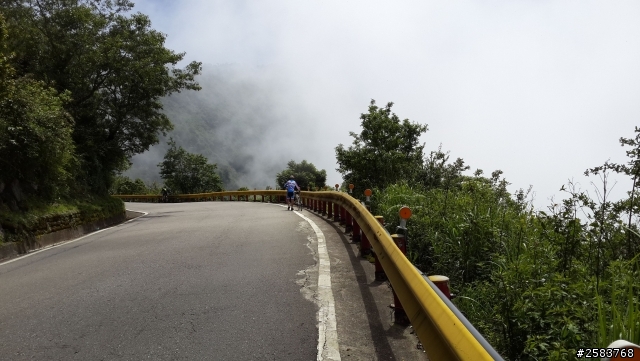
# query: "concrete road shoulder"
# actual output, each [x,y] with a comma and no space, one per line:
[366,329]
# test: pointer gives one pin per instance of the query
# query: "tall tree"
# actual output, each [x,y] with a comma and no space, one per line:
[306,175]
[386,151]
[115,67]
[188,173]
[36,149]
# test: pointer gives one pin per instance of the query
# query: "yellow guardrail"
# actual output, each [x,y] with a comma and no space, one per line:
[204,196]
[443,331]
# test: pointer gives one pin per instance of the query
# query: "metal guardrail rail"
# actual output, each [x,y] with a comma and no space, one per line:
[203,196]
[444,332]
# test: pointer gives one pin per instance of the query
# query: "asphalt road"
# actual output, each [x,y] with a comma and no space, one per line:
[190,281]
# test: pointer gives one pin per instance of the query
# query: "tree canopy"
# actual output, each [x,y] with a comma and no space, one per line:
[114,67]
[35,134]
[188,173]
[386,151]
[306,175]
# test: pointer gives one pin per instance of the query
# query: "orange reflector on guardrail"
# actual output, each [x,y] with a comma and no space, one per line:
[405,213]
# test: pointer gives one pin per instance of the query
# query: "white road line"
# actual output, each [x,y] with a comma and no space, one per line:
[62,243]
[328,348]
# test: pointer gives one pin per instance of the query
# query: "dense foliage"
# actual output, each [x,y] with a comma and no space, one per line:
[188,173]
[35,134]
[44,216]
[385,152]
[306,175]
[109,70]
[537,285]
[127,186]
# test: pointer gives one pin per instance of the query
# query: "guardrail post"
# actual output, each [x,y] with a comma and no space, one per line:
[356,230]
[379,271]
[400,316]
[348,221]
[442,282]
[365,246]
[324,208]
[401,242]
[342,216]
[330,210]
[336,212]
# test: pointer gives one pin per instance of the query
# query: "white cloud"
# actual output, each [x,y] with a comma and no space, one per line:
[539,89]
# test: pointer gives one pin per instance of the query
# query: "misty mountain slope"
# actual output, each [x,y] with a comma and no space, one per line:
[238,120]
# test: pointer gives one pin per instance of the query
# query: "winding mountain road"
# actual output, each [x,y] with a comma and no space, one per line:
[199,281]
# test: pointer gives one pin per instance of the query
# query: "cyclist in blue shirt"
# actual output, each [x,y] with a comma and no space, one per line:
[290,186]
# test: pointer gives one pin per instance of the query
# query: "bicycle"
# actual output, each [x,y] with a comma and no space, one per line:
[298,201]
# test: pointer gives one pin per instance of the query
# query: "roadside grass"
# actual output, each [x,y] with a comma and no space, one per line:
[17,225]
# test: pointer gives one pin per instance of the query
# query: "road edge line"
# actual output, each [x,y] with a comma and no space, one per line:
[328,347]
[55,245]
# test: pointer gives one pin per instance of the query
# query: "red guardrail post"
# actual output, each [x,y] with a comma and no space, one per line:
[330,210]
[348,220]
[324,208]
[379,272]
[365,246]
[400,315]
[342,216]
[356,230]
[442,282]
[336,212]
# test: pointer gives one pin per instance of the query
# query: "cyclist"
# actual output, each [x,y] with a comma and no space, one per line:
[165,194]
[290,186]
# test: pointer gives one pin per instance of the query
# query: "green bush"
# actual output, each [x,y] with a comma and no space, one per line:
[126,186]
[524,279]
[23,224]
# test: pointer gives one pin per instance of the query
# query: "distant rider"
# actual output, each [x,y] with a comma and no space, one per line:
[165,194]
[290,186]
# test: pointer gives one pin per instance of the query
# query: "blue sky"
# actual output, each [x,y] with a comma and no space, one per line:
[539,89]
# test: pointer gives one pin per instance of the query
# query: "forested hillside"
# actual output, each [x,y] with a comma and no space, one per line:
[234,121]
